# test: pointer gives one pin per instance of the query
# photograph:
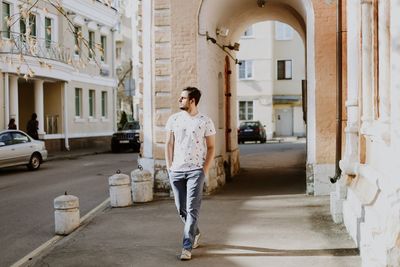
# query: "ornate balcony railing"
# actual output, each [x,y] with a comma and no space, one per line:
[17,43]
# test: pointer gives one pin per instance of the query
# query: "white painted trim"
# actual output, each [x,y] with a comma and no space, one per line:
[79,120]
[96,80]
[6,99]
[78,21]
[104,30]
[311,99]
[92,26]
[93,10]
[147,19]
[98,134]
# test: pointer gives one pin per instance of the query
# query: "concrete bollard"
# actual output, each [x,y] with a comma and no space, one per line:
[120,190]
[142,186]
[66,214]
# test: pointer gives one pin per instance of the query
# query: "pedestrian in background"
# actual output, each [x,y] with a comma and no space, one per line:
[12,125]
[32,127]
[189,152]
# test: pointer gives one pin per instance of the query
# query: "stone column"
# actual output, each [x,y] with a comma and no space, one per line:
[367,65]
[39,105]
[14,99]
[146,159]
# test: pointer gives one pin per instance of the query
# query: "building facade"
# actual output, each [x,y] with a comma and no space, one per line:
[182,46]
[367,198]
[60,65]
[270,76]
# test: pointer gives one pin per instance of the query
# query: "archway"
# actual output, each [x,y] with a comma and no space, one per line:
[186,50]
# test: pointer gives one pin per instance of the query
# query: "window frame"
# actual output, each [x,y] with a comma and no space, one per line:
[104,103]
[246,116]
[6,30]
[78,102]
[283,32]
[48,33]
[91,42]
[92,103]
[285,72]
[246,69]
[103,45]
[249,35]
[77,42]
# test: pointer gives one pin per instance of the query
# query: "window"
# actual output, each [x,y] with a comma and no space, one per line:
[91,44]
[47,32]
[118,53]
[78,102]
[245,69]
[31,25]
[245,110]
[248,32]
[92,102]
[5,19]
[19,138]
[284,69]
[103,54]
[104,104]
[78,40]
[283,31]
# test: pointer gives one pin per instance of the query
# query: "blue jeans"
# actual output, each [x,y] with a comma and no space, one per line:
[188,190]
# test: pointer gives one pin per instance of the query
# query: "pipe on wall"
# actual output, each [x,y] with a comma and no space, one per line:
[339,91]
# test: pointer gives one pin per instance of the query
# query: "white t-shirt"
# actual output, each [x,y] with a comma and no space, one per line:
[190,139]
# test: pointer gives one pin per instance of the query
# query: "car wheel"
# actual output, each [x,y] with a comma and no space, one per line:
[114,148]
[34,162]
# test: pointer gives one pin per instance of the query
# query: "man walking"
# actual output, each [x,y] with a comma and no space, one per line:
[189,153]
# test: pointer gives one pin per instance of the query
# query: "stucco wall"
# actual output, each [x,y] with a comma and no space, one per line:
[325,80]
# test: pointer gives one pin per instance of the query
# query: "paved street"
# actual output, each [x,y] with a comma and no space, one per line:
[26,198]
[260,218]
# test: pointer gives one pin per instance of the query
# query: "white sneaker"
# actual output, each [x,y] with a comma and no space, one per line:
[196,242]
[185,255]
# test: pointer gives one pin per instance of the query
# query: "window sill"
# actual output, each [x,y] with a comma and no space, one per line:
[79,120]
[92,119]
[246,79]
[104,119]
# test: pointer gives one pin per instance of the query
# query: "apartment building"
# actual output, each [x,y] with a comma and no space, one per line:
[270,74]
[58,62]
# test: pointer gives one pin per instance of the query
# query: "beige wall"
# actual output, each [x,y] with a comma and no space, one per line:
[325,79]
[84,125]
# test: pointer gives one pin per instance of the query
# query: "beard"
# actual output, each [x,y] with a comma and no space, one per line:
[185,108]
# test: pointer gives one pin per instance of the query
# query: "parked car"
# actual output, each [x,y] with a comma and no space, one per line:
[18,148]
[127,137]
[251,131]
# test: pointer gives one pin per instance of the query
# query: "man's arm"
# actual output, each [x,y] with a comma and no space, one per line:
[210,142]
[169,148]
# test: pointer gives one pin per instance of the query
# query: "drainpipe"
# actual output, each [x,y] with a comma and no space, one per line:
[339,89]
[66,129]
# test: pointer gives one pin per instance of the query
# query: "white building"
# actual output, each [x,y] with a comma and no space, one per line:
[269,87]
[60,66]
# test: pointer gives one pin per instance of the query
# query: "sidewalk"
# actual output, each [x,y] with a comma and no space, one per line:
[56,155]
[246,224]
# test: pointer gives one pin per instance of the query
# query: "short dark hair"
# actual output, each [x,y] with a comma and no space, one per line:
[194,93]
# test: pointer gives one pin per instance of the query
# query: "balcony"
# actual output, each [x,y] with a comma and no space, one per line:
[17,43]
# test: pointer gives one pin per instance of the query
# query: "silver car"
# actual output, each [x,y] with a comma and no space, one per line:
[18,148]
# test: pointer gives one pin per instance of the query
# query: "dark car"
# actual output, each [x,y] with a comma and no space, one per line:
[127,137]
[251,131]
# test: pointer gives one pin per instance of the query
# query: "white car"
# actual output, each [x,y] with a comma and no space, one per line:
[18,148]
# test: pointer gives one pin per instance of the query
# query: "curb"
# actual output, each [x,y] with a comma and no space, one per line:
[34,255]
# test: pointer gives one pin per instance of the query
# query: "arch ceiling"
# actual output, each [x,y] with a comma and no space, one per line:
[237,15]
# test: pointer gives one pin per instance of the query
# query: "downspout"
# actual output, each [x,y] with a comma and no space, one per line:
[339,90]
